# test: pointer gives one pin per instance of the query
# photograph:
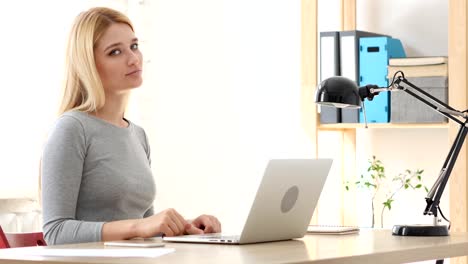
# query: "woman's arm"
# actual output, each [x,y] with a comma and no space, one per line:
[168,222]
[62,168]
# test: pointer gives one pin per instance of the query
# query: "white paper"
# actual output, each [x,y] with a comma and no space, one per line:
[103,252]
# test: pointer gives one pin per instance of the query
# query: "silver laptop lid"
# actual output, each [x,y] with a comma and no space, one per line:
[285,200]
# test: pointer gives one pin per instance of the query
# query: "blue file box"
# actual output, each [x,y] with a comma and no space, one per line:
[374,53]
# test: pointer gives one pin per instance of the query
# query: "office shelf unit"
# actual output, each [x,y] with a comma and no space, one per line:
[458,72]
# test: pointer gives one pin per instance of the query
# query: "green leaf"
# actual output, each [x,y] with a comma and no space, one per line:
[418,186]
[347,188]
[388,204]
[406,186]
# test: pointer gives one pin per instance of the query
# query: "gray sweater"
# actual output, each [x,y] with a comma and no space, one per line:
[93,172]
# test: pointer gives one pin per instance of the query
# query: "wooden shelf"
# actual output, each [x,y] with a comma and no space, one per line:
[458,98]
[342,126]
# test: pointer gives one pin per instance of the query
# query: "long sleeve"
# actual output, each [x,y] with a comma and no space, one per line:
[62,172]
[93,172]
[149,213]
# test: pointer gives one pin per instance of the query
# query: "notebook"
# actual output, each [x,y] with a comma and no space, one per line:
[332,230]
[283,205]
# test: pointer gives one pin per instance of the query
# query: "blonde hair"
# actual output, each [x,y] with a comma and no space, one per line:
[83,90]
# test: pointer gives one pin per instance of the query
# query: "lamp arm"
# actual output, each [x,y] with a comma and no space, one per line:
[429,100]
[439,106]
[434,195]
[433,190]
[404,80]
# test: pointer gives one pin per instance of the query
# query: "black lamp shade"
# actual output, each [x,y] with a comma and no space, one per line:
[338,92]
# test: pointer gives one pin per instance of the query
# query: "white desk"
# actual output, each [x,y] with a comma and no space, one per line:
[370,246]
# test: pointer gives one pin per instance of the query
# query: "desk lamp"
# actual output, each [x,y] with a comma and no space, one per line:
[343,93]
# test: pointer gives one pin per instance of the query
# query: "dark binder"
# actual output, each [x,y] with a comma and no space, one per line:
[329,66]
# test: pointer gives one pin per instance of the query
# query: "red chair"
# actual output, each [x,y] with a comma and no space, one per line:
[3,239]
[11,240]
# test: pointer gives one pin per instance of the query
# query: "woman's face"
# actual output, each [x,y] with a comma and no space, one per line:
[118,59]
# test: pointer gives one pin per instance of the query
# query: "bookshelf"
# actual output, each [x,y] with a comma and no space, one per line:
[458,97]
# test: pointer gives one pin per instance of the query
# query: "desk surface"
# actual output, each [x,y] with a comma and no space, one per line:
[370,246]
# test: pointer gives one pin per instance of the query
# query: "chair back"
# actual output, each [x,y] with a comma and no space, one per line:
[25,239]
[3,239]
[12,240]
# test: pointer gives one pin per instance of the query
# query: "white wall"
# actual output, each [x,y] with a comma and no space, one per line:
[220,97]
[401,149]
[421,25]
[31,72]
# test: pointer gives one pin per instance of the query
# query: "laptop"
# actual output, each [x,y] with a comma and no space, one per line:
[283,205]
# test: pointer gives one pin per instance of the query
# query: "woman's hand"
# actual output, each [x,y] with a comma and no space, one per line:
[204,224]
[169,222]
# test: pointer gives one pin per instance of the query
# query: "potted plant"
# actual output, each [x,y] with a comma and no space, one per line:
[376,181]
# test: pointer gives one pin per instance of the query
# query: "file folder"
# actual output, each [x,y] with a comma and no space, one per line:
[349,64]
[329,67]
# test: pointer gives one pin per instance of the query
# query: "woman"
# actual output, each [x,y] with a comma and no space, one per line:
[97,183]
